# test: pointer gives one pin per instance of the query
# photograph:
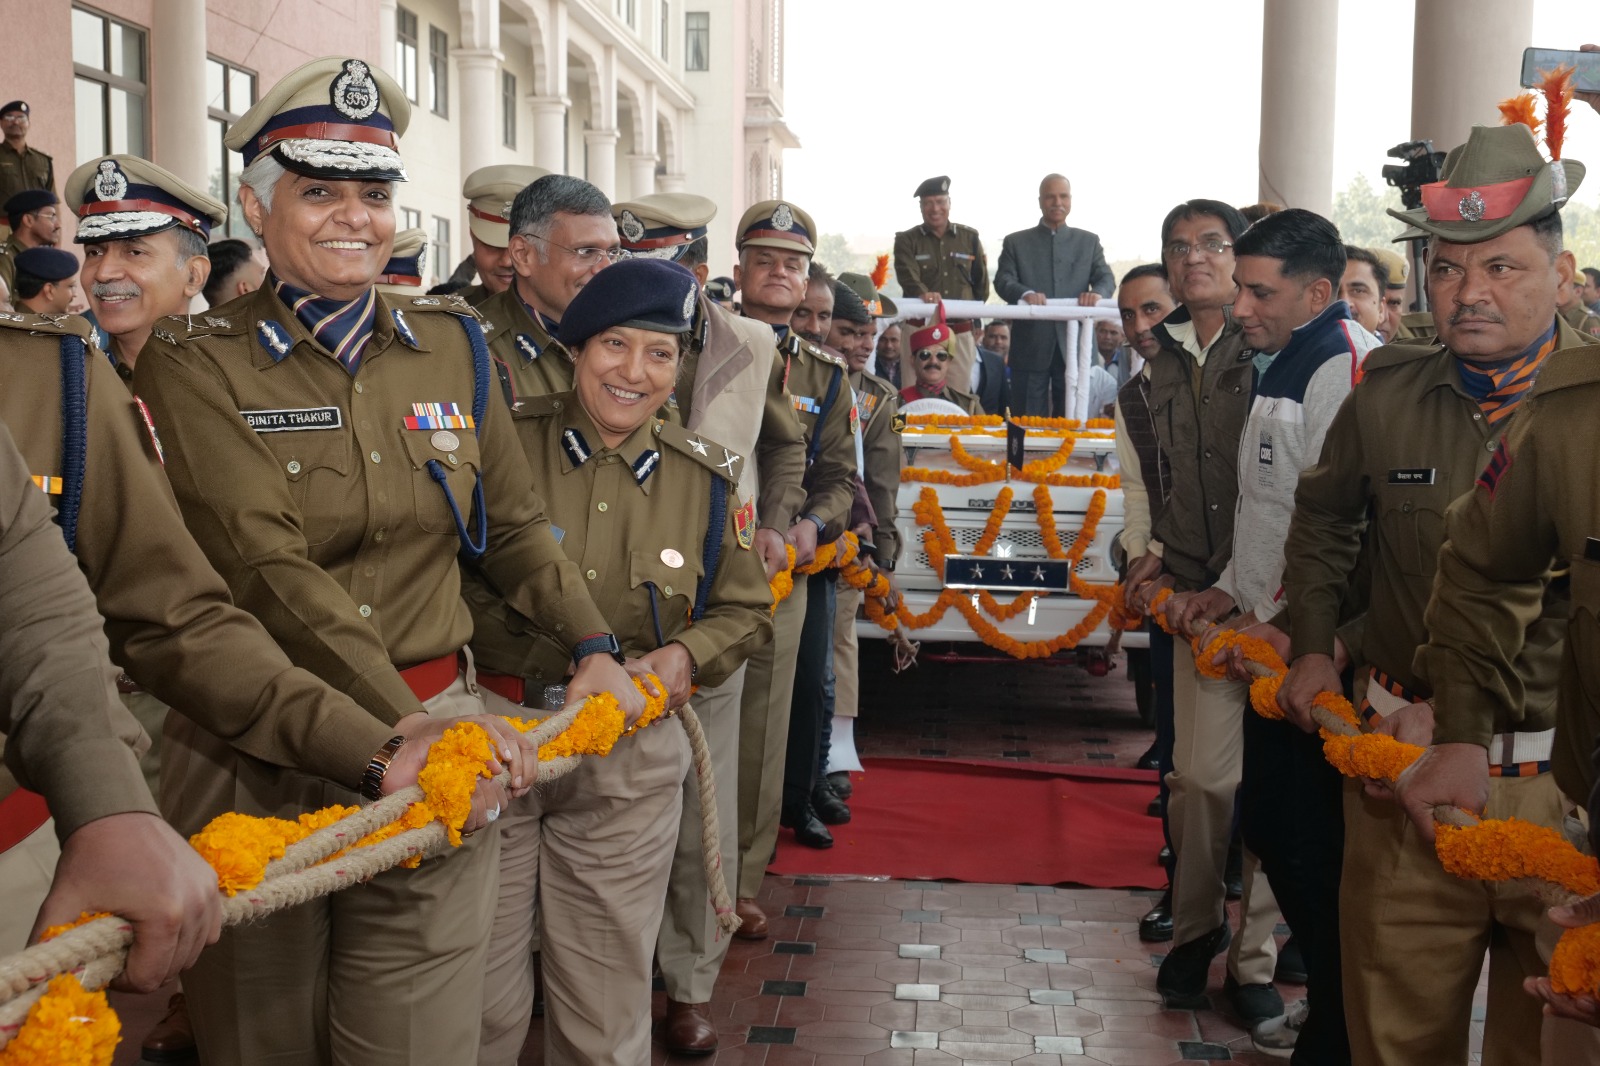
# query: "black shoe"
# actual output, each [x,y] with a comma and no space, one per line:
[1147,761]
[830,809]
[808,829]
[1156,926]
[839,781]
[1164,856]
[1182,977]
[1291,968]
[1233,872]
[1253,1004]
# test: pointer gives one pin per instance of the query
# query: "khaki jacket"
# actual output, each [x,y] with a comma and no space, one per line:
[325,499]
[1534,509]
[634,517]
[954,266]
[528,361]
[882,457]
[809,373]
[1406,444]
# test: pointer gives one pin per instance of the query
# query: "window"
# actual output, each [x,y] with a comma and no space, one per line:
[627,11]
[405,52]
[697,41]
[410,218]
[438,72]
[109,85]
[666,31]
[230,92]
[439,248]
[508,109]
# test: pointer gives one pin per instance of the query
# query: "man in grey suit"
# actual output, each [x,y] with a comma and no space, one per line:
[1050,260]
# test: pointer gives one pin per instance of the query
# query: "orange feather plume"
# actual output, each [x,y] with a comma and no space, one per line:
[1556,85]
[1519,109]
[880,272]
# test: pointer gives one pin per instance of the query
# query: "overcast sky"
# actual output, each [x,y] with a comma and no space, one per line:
[1126,99]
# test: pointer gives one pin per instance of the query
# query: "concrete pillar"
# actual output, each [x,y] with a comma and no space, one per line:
[550,132]
[1466,56]
[178,97]
[387,26]
[478,74]
[642,175]
[602,170]
[1298,43]
[672,183]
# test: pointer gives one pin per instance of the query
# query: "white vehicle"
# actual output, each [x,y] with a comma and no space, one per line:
[1019,559]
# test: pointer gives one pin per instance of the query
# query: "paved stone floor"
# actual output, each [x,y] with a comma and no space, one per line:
[896,973]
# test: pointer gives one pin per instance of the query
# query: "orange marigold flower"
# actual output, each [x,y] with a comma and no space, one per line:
[239,847]
[455,761]
[1264,696]
[1504,849]
[84,918]
[68,1026]
[1374,756]
[1575,963]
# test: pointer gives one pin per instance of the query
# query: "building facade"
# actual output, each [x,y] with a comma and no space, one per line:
[637,96]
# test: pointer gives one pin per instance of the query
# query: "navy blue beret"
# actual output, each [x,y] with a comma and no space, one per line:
[939,186]
[646,293]
[28,201]
[15,105]
[46,264]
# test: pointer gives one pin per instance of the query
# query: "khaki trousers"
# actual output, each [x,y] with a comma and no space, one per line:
[1207,760]
[691,946]
[846,653]
[592,851]
[152,715]
[1413,938]
[959,374]
[26,872]
[389,973]
[764,739]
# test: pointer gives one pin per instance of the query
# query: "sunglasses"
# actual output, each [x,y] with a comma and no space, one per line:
[943,357]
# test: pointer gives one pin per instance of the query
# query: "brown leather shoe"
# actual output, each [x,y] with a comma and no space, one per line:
[752,920]
[688,1029]
[172,1039]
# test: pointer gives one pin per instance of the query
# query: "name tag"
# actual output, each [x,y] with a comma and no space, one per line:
[294,418]
[1411,477]
[961,255]
[924,255]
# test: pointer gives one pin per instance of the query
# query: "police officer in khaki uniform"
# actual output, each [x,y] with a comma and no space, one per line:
[775,243]
[489,192]
[407,266]
[1394,293]
[68,740]
[561,236]
[34,219]
[21,167]
[730,389]
[650,513]
[1414,435]
[942,259]
[333,453]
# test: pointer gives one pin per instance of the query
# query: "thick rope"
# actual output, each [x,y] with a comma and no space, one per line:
[710,825]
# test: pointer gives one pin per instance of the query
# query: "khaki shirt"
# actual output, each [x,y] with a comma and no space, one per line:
[1578,317]
[633,516]
[168,614]
[474,294]
[1535,507]
[1406,444]
[949,394]
[312,490]
[528,361]
[8,264]
[953,266]
[809,372]
[882,456]
[1417,325]
[30,170]
[67,736]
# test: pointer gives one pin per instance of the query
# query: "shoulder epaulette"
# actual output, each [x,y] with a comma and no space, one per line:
[1397,352]
[817,351]
[880,384]
[721,461]
[543,405]
[73,325]
[174,329]
[1567,368]
[449,302]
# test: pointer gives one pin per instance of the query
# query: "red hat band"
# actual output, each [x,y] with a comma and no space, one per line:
[1446,203]
[930,336]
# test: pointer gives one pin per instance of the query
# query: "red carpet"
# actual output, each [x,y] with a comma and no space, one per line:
[992,822]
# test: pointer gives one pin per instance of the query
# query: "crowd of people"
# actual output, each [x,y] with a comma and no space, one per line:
[332,514]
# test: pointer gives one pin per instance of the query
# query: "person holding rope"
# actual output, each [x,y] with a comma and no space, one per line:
[1413,436]
[334,452]
[654,520]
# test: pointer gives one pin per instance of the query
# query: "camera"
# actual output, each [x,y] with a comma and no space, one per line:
[1421,167]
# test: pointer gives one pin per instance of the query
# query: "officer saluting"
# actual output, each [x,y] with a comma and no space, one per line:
[334,452]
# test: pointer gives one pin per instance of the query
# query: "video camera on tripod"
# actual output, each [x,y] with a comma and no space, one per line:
[1420,167]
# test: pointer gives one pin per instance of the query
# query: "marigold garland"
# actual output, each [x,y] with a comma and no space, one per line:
[782,583]
[1054,425]
[1505,849]
[84,918]
[1575,962]
[67,1027]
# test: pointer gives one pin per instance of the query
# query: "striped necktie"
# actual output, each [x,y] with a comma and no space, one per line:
[1499,387]
[342,328]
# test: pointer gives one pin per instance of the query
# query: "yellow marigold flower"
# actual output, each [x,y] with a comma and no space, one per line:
[1503,849]
[455,761]
[1575,963]
[239,847]
[1264,696]
[67,1027]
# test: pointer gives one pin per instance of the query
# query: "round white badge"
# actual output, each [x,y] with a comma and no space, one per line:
[783,218]
[446,441]
[672,557]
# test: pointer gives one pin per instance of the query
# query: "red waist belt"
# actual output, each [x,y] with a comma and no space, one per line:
[21,813]
[428,679]
[512,688]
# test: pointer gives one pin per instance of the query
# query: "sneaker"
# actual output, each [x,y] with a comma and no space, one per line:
[1276,1036]
[1291,968]
[1182,977]
[1253,1004]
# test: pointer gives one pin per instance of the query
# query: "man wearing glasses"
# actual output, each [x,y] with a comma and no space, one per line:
[21,167]
[1201,382]
[932,350]
[562,234]
[34,216]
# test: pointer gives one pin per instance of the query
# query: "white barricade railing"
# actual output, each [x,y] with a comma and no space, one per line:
[1080,340]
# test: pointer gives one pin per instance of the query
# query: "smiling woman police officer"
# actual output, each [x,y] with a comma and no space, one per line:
[333,451]
[651,517]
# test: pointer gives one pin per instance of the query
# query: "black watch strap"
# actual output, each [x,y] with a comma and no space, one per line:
[600,642]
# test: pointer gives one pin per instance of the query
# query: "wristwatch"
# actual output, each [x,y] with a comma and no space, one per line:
[598,642]
[820,524]
[372,777]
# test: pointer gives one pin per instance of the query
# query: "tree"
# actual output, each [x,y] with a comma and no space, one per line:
[833,252]
[1359,212]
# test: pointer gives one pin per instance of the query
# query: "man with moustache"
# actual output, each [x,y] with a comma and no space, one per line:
[562,234]
[942,260]
[35,220]
[1365,281]
[490,192]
